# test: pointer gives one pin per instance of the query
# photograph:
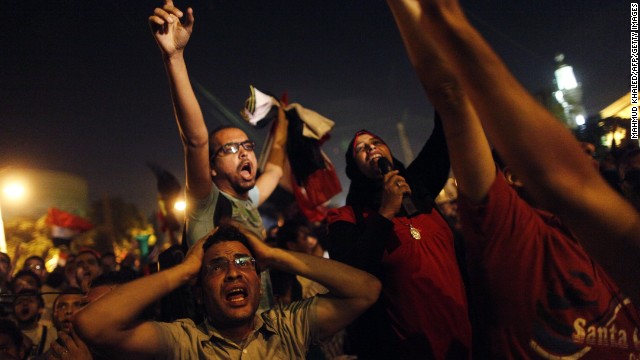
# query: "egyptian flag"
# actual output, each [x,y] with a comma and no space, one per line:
[64,226]
[314,178]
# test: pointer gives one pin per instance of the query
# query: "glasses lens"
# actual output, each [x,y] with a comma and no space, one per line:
[230,148]
[248,145]
[217,266]
[245,262]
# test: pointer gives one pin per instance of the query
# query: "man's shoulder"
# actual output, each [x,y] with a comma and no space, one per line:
[182,327]
[280,311]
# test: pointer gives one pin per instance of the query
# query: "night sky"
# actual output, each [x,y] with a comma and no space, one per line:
[83,88]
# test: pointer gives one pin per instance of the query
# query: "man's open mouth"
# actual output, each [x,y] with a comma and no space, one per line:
[246,170]
[237,295]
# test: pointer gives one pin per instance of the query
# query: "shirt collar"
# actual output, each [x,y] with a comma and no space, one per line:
[259,325]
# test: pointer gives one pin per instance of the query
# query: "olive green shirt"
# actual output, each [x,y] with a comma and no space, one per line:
[200,213]
[280,333]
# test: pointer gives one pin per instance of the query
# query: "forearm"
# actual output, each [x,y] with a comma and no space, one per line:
[469,149]
[193,130]
[277,152]
[274,168]
[528,137]
[540,150]
[341,280]
[99,323]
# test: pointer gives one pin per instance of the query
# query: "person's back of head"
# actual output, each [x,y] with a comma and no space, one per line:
[297,235]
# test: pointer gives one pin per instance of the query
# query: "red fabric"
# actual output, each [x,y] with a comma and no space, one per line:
[317,189]
[422,289]
[537,292]
[64,219]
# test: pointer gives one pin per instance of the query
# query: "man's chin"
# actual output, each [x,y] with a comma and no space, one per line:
[244,186]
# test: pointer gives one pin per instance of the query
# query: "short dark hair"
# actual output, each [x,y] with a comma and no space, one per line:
[89,251]
[288,232]
[111,278]
[39,258]
[226,233]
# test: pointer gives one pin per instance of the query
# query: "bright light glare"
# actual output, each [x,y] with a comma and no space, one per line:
[180,205]
[14,191]
[580,120]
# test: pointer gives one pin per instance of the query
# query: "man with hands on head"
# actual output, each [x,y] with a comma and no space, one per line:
[224,266]
[221,167]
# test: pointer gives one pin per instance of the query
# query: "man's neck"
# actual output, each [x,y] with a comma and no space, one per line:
[237,333]
[233,193]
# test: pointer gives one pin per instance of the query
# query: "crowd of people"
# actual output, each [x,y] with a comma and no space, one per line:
[533,255]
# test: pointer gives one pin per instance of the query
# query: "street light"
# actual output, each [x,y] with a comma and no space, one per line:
[13,191]
[180,205]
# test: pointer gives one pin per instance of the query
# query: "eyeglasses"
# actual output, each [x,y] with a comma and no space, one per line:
[234,147]
[221,265]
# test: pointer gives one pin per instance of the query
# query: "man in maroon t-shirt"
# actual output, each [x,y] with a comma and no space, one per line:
[537,293]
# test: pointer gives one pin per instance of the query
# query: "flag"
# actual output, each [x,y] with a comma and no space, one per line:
[65,226]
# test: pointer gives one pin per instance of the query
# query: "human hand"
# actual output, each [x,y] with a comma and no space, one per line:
[171,35]
[69,346]
[395,187]
[193,259]
[260,250]
[84,282]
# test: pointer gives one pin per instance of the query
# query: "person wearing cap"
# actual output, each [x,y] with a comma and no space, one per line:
[422,312]
[221,167]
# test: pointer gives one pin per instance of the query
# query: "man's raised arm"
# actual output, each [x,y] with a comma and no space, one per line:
[539,149]
[172,36]
[110,322]
[469,149]
[351,291]
[274,168]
